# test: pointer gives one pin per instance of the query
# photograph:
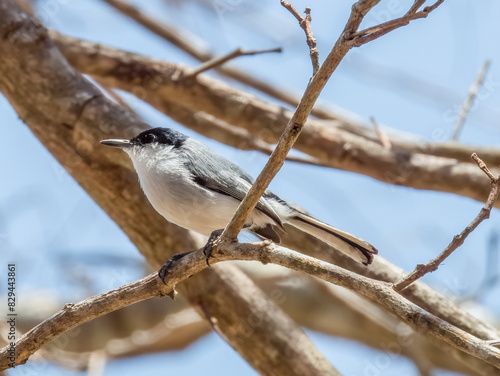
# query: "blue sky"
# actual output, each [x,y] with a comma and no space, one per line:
[412,80]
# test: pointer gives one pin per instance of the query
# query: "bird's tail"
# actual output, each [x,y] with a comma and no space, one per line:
[351,245]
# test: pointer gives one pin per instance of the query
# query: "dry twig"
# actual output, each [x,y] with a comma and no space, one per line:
[382,136]
[358,38]
[493,343]
[305,24]
[464,111]
[378,292]
[216,62]
[458,240]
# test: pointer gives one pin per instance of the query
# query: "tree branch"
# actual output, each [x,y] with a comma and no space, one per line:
[381,269]
[221,131]
[380,293]
[464,111]
[367,35]
[305,24]
[197,48]
[218,61]
[298,120]
[458,240]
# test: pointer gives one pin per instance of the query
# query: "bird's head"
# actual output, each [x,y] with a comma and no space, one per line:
[149,143]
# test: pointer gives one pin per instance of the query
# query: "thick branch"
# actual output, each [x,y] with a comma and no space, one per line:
[378,292]
[367,35]
[422,165]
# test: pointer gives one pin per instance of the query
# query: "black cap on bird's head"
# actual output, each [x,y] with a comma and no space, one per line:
[162,136]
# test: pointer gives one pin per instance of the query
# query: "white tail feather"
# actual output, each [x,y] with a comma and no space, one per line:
[352,246]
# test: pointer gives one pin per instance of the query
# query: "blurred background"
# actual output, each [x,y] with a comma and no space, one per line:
[413,81]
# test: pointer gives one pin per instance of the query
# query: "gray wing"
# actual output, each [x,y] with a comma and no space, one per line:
[218,174]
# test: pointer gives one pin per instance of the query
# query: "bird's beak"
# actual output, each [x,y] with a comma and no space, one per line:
[116,143]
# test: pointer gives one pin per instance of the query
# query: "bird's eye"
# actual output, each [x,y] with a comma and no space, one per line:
[149,138]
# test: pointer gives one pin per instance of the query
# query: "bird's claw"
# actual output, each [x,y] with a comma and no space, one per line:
[208,248]
[165,269]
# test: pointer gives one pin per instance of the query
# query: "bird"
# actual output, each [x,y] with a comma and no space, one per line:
[200,190]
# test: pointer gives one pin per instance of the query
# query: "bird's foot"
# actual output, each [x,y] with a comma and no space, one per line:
[208,248]
[165,269]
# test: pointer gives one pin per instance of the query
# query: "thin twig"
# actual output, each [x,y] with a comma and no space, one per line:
[464,111]
[382,136]
[483,167]
[367,35]
[493,342]
[380,293]
[458,240]
[296,123]
[216,62]
[305,24]
[416,6]
[197,48]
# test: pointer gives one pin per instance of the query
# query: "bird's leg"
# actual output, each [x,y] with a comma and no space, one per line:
[207,249]
[164,270]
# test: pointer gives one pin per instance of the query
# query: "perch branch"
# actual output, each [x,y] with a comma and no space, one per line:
[423,269]
[380,293]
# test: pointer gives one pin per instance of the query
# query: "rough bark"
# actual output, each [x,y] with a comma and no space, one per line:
[167,325]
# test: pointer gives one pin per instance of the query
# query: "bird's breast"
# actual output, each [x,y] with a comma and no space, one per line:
[175,195]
